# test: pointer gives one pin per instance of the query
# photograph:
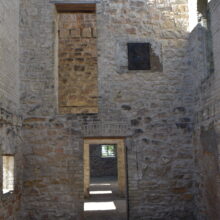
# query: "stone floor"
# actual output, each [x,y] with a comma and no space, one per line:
[104,202]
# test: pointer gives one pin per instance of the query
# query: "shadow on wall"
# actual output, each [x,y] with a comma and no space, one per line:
[209,159]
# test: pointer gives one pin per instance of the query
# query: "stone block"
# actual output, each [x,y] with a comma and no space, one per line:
[86,32]
[75,33]
[64,33]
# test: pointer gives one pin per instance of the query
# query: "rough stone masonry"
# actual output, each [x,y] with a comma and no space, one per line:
[10,119]
[65,77]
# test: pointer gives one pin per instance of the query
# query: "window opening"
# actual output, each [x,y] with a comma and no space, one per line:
[8,173]
[139,56]
[108,151]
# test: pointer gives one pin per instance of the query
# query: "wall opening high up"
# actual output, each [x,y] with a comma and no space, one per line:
[77,61]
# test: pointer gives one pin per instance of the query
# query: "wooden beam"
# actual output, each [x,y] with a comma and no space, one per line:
[76,7]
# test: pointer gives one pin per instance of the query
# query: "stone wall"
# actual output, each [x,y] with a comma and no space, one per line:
[10,121]
[168,115]
[78,89]
[149,104]
[160,153]
[37,63]
[9,53]
[10,145]
[53,177]
[99,166]
[205,102]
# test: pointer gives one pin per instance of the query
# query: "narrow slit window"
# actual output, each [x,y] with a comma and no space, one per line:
[8,173]
[108,151]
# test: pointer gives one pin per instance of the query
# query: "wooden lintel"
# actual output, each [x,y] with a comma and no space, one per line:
[87,7]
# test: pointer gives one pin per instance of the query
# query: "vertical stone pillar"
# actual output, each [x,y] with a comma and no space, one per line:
[86,163]
[121,167]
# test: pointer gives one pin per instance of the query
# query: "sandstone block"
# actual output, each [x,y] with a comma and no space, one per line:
[64,33]
[75,32]
[86,32]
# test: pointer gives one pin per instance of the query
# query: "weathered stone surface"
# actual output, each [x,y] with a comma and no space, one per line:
[54,153]
[168,116]
[9,53]
[77,64]
[206,130]
[10,121]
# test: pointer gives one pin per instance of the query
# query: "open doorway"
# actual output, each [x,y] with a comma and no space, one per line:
[105,187]
[103,164]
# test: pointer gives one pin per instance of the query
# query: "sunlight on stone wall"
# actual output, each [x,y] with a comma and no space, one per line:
[77,63]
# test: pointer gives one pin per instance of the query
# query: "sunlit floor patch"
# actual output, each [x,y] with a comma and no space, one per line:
[100,184]
[6,191]
[100,192]
[99,206]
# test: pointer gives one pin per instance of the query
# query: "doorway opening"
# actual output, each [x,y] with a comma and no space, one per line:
[105,185]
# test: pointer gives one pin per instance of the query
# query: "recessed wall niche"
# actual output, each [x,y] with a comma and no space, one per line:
[137,55]
[77,59]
